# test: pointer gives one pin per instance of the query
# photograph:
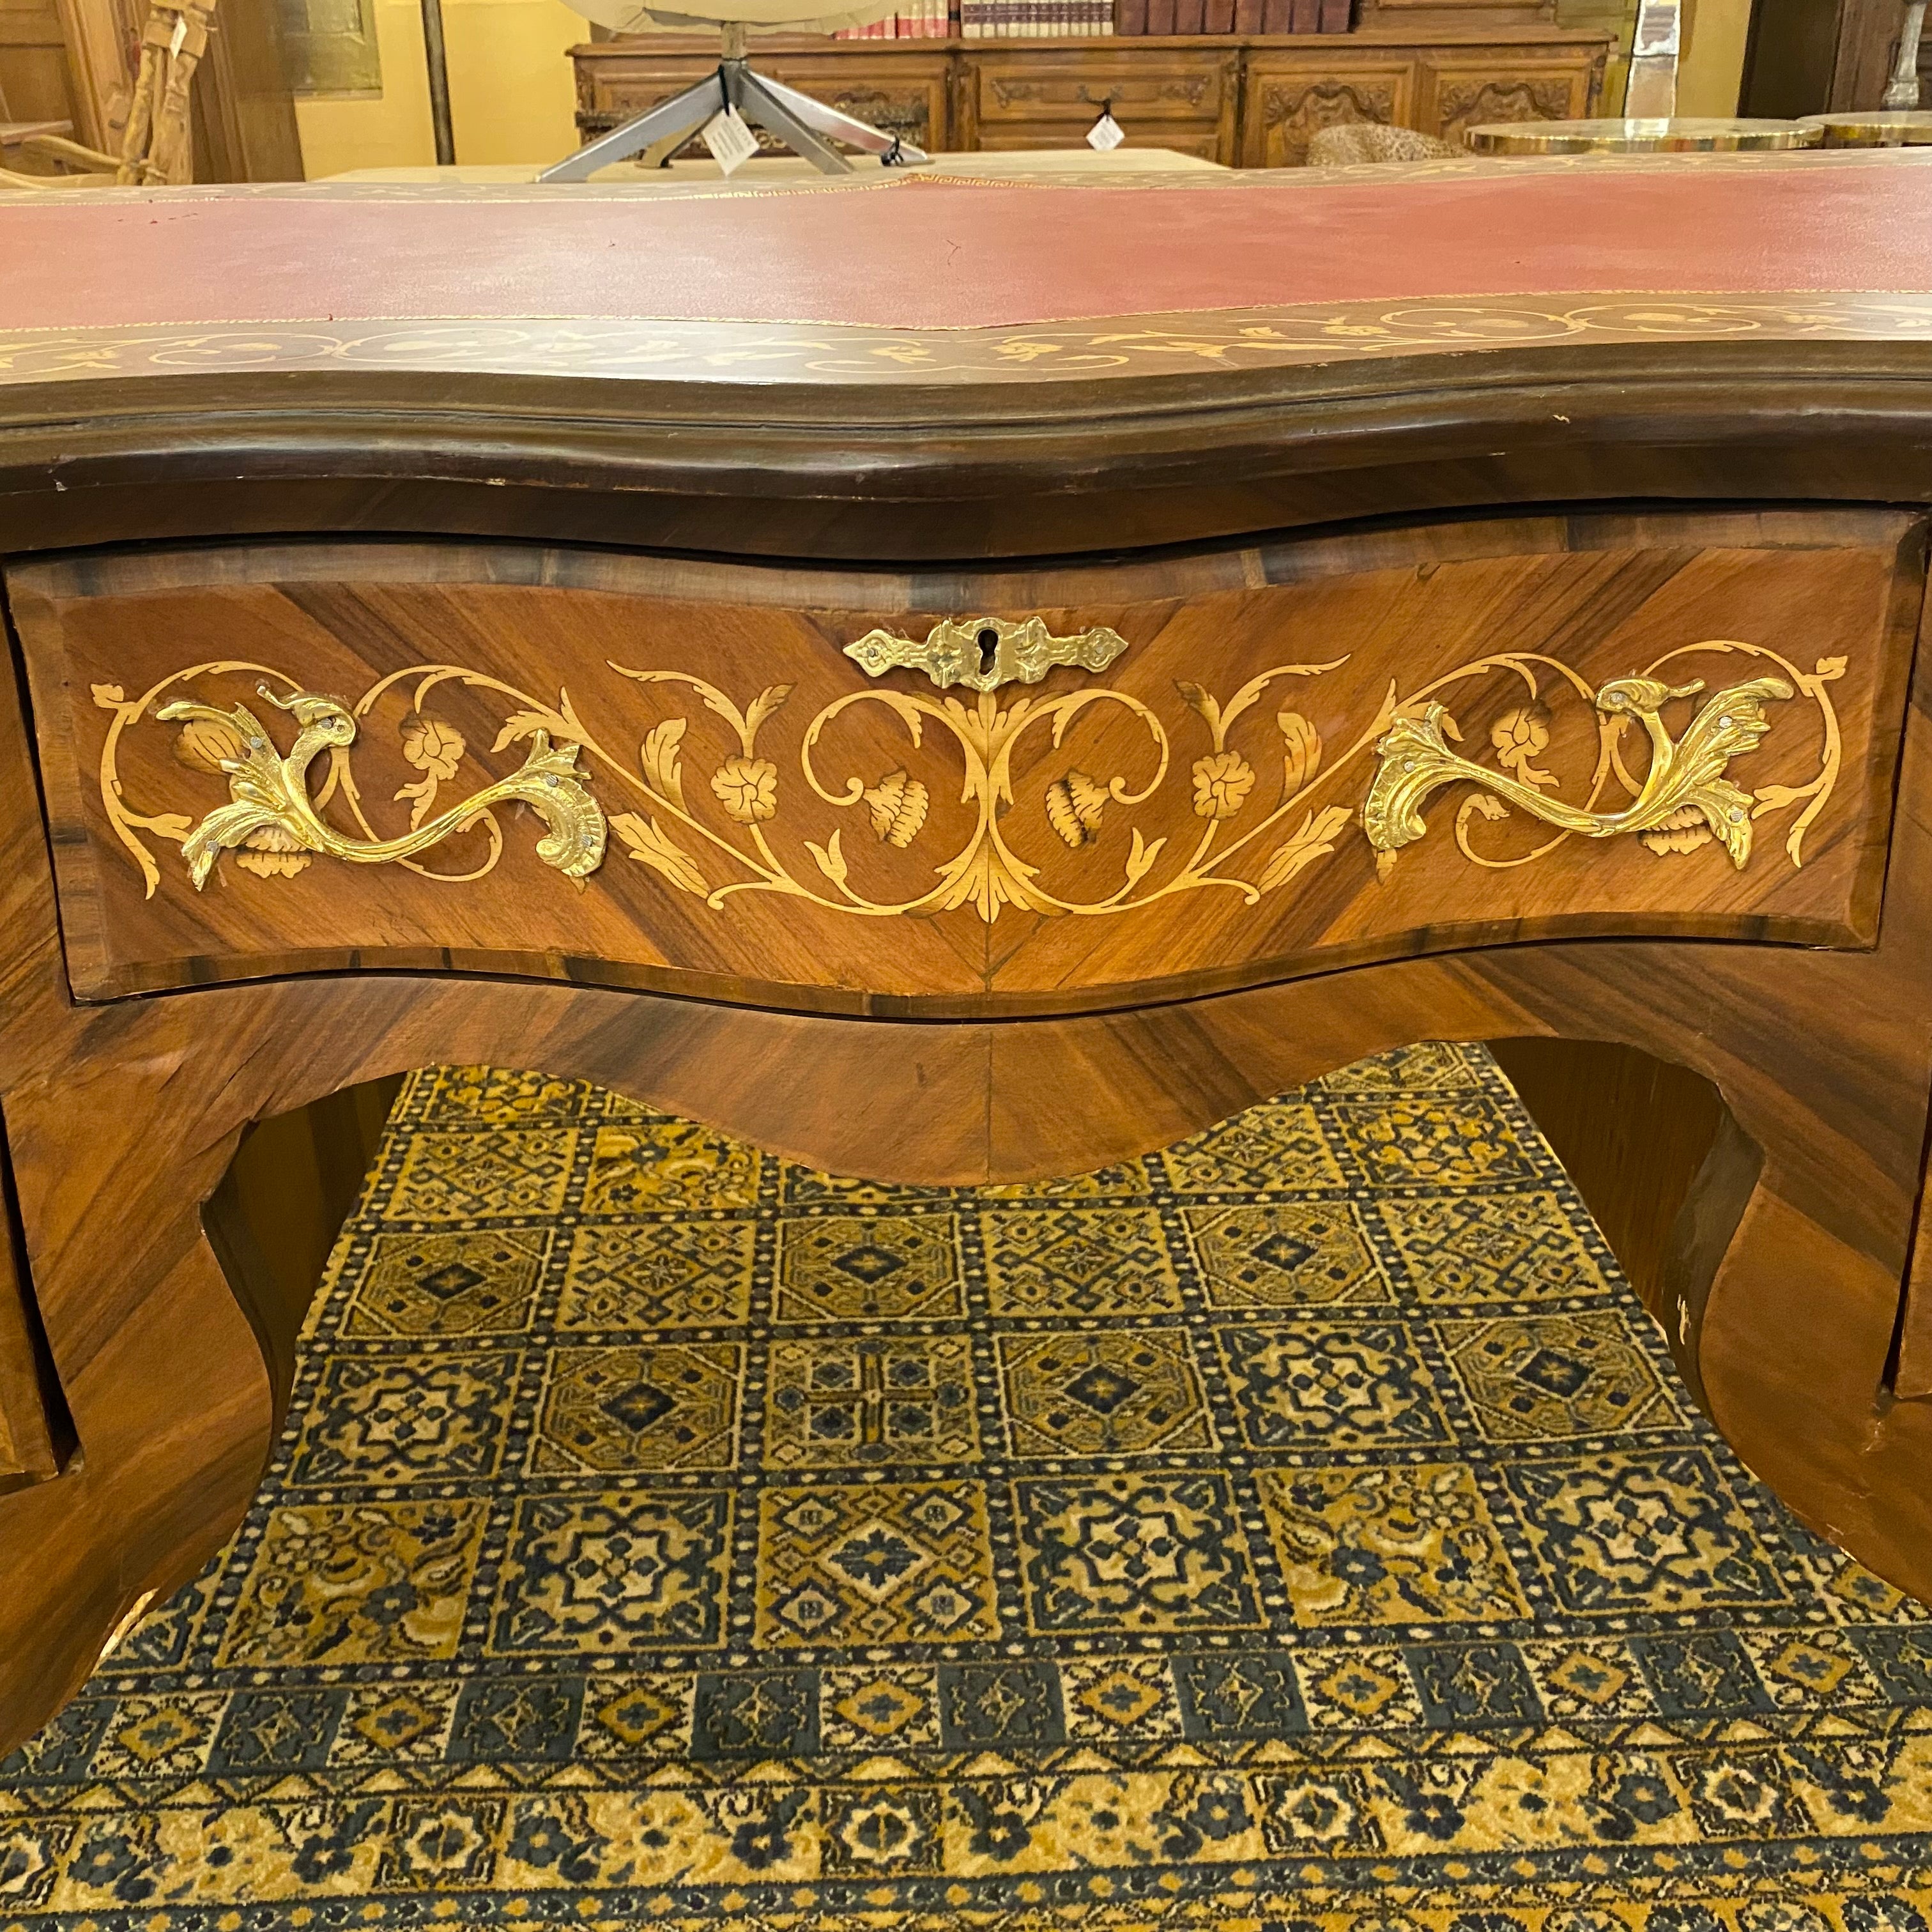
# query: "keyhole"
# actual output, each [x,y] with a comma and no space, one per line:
[989,644]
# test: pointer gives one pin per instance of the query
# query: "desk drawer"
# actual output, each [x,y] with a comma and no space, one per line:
[1260,763]
[1036,88]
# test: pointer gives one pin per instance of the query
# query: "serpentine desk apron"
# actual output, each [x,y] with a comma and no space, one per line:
[1000,677]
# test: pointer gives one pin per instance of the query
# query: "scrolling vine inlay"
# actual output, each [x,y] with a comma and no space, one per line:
[713,838]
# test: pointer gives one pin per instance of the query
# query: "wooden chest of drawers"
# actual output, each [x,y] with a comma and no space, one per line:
[1243,102]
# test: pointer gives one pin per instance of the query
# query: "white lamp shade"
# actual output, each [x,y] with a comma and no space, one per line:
[634,16]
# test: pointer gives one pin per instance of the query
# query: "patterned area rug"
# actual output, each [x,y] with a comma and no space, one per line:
[1299,1528]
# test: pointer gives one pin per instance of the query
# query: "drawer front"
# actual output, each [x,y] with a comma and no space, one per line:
[1255,763]
[1039,87]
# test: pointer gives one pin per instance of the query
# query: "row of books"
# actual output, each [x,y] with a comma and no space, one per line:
[1047,19]
[934,20]
[1034,20]
[1231,16]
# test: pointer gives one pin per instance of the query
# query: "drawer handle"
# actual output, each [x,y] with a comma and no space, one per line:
[1686,774]
[269,793]
[982,653]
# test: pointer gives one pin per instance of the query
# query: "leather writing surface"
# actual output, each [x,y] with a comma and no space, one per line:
[927,252]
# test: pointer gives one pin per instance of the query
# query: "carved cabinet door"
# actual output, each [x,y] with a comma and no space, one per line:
[1290,97]
[1459,93]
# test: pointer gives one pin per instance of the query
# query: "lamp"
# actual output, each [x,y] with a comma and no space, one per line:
[807,127]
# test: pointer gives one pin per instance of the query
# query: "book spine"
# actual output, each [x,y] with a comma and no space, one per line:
[1248,16]
[1130,17]
[1335,16]
[1303,16]
[1160,17]
[1218,16]
[1189,16]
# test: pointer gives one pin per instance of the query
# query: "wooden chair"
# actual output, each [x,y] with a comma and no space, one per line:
[48,141]
[158,148]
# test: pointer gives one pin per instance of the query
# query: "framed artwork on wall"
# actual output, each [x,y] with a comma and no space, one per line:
[329,46]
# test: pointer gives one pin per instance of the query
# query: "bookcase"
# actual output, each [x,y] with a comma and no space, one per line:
[1244,100]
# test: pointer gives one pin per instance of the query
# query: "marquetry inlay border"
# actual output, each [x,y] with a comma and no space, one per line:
[839,353]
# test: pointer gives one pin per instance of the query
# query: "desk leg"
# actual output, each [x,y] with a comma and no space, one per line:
[1784,1280]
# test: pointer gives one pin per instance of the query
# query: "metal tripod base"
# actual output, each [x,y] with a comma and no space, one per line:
[799,121]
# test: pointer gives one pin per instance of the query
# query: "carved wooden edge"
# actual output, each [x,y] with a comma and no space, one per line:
[1179,459]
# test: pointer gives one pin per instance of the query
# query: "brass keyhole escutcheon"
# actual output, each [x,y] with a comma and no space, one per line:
[982,653]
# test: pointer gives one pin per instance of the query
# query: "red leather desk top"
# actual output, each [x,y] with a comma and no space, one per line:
[890,281]
[908,252]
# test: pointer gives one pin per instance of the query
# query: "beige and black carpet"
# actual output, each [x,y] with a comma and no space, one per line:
[1301,1528]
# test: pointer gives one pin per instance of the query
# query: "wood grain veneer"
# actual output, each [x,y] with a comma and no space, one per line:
[1394,612]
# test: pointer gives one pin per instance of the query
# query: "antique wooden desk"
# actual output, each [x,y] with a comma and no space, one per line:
[953,682]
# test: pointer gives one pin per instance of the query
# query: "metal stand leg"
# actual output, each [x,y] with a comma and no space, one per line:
[825,120]
[800,122]
[759,105]
[682,115]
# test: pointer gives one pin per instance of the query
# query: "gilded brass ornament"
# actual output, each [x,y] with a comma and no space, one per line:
[272,822]
[1685,782]
[982,653]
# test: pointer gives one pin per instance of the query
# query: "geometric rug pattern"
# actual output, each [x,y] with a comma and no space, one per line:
[1303,1526]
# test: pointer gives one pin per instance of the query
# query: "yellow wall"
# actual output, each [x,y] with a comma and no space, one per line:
[1712,63]
[511,92]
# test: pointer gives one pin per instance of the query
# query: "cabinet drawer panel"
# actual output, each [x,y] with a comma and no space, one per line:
[1222,798]
[1037,88]
[1461,92]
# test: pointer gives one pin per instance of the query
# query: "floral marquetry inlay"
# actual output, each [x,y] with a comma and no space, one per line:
[723,798]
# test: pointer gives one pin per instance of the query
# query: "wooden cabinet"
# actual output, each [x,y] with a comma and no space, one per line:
[1246,102]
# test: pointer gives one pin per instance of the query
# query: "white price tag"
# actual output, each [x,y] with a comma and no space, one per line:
[1105,133]
[179,34]
[732,143]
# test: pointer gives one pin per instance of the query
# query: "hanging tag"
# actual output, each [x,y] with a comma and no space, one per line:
[179,34]
[1106,133]
[732,143]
